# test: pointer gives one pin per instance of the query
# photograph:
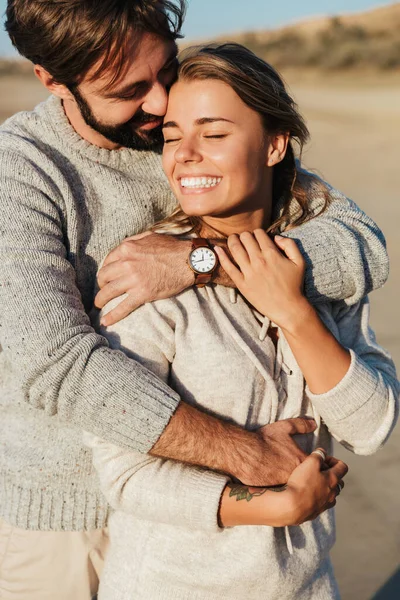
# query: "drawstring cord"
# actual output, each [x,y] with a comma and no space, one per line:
[264,329]
[233,295]
[278,366]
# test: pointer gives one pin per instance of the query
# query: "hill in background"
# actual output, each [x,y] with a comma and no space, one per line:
[361,41]
[369,40]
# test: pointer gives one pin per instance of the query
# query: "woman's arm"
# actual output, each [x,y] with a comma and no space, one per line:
[153,489]
[362,409]
[273,283]
[168,492]
[308,493]
[352,383]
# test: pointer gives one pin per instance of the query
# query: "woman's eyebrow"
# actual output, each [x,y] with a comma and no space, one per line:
[202,121]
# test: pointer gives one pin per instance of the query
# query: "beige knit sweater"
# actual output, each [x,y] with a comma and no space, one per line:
[64,204]
[214,351]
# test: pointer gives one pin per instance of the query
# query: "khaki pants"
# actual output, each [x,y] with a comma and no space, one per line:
[50,565]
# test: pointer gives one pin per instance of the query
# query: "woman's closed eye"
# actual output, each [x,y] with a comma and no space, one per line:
[171,140]
[216,136]
[209,136]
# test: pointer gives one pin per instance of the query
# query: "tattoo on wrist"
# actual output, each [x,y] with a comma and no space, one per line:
[244,492]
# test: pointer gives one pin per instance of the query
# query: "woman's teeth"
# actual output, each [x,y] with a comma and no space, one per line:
[200,182]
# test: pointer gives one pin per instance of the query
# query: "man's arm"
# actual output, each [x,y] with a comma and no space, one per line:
[62,365]
[65,368]
[345,252]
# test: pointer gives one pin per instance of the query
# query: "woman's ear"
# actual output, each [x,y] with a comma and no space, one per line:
[277,148]
[47,80]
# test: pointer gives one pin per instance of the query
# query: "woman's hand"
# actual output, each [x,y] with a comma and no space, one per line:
[311,489]
[270,275]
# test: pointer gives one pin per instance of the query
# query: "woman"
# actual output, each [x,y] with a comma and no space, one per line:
[254,357]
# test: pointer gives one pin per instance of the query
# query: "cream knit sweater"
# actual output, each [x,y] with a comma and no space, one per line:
[214,351]
[64,204]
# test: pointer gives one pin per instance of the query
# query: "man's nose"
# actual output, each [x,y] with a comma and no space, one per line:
[156,100]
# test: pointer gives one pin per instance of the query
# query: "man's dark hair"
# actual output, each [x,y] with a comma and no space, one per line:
[68,37]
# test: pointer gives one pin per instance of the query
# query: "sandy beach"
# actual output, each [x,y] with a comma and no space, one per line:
[355,123]
[354,127]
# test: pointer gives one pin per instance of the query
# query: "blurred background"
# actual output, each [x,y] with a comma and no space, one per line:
[341,60]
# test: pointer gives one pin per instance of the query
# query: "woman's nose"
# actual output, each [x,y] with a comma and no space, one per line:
[187,152]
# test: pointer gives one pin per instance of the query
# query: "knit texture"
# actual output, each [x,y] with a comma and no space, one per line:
[216,353]
[64,204]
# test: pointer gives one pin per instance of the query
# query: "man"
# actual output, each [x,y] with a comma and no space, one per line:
[79,174]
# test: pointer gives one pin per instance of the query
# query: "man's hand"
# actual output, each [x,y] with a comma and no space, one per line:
[280,455]
[146,267]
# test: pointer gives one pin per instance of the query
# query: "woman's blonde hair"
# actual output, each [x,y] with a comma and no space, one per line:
[259,86]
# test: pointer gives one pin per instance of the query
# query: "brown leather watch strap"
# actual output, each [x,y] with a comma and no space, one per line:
[200,243]
[201,279]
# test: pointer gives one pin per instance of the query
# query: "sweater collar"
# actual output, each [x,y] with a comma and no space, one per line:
[63,130]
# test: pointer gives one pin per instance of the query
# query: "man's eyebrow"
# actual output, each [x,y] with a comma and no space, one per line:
[202,121]
[131,87]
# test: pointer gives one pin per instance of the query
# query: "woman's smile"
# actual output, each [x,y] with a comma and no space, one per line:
[198,184]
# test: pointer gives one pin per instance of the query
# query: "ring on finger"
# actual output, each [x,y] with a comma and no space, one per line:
[320,453]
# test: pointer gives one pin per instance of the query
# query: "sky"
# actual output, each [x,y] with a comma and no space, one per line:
[208,18]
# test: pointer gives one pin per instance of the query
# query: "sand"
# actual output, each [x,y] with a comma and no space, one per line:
[355,127]
[355,124]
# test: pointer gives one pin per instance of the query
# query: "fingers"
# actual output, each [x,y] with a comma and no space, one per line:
[339,487]
[250,243]
[113,256]
[230,269]
[321,454]
[264,241]
[125,308]
[110,272]
[238,252]
[299,425]
[331,461]
[339,470]
[290,248]
[314,461]
[112,290]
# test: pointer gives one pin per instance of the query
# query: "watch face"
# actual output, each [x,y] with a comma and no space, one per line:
[203,260]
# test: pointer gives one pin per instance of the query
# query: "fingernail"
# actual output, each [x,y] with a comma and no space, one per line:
[279,237]
[102,321]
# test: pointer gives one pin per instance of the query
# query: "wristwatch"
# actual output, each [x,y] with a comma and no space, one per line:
[203,261]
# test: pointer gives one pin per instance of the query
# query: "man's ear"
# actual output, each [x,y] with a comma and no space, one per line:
[47,80]
[277,148]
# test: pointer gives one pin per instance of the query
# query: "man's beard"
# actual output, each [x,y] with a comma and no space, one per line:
[124,135]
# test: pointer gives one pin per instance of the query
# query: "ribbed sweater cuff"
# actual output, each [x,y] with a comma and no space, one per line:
[52,509]
[349,395]
[201,509]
